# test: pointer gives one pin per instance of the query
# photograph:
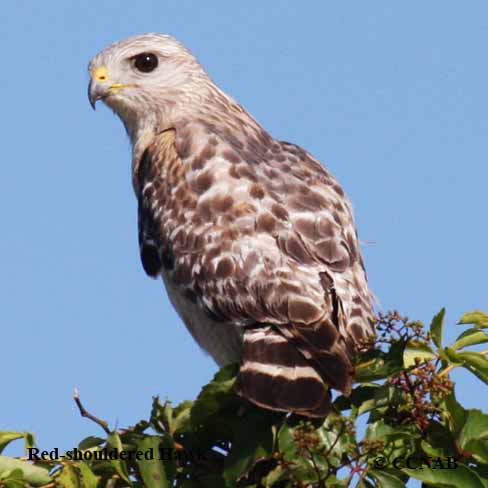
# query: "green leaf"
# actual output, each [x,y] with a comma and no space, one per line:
[400,441]
[371,370]
[302,469]
[461,476]
[474,435]
[113,440]
[168,443]
[452,356]
[12,479]
[417,350]
[34,475]
[215,396]
[152,471]
[439,437]
[482,472]
[364,483]
[380,430]
[361,397]
[29,440]
[436,327]
[88,478]
[478,449]
[253,439]
[89,442]
[470,337]
[161,416]
[167,417]
[385,479]
[274,476]
[335,439]
[378,365]
[478,318]
[385,395]
[69,478]
[7,437]
[182,417]
[475,426]
[205,481]
[431,451]
[476,363]
[455,413]
[333,482]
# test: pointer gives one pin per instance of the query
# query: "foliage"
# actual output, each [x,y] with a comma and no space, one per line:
[414,428]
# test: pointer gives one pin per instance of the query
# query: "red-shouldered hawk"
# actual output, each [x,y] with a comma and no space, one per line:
[253,238]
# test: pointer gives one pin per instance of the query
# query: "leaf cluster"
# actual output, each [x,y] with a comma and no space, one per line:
[403,407]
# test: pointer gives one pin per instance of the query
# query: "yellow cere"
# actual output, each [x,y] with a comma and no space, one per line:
[100,73]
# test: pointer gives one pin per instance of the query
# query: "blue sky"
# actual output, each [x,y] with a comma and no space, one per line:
[391,96]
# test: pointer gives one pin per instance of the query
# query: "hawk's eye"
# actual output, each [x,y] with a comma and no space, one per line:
[146,62]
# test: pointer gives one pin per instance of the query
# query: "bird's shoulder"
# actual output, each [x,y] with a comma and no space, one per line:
[253,229]
[247,184]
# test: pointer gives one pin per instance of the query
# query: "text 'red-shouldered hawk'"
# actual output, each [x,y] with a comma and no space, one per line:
[253,238]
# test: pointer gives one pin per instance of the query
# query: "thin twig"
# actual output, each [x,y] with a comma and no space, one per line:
[320,481]
[342,429]
[363,474]
[84,413]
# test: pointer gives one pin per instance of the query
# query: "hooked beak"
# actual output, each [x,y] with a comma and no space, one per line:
[100,86]
[97,91]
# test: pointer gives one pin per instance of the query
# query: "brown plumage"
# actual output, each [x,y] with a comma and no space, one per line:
[254,239]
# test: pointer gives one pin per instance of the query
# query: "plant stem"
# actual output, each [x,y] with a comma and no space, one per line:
[84,413]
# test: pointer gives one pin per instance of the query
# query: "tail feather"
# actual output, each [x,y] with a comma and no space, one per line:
[274,374]
[330,359]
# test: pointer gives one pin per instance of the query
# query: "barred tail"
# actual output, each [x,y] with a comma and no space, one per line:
[274,374]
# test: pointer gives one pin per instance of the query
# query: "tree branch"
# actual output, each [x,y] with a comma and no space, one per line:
[84,412]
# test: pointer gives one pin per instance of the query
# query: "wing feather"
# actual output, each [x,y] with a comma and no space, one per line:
[261,236]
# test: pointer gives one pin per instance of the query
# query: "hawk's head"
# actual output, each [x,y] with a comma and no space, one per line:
[147,79]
